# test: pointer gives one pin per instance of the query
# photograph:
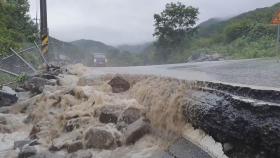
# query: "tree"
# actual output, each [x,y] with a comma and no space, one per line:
[173,26]
[16,26]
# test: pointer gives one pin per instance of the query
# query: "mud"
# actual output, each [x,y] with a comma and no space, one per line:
[216,119]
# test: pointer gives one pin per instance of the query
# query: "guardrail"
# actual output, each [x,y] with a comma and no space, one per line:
[26,61]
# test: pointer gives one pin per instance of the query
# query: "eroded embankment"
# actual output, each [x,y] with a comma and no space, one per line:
[245,120]
[82,116]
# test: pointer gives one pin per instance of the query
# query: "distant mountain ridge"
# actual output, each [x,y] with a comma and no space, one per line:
[136,49]
[91,46]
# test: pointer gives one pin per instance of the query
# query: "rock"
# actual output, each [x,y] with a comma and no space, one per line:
[7,99]
[5,110]
[109,114]
[81,154]
[36,84]
[27,152]
[72,124]
[246,118]
[227,147]
[183,148]
[67,141]
[130,115]
[28,119]
[74,146]
[19,89]
[46,155]
[33,133]
[8,90]
[119,84]
[54,70]
[3,120]
[136,130]
[98,137]
[21,143]
[48,76]
[5,129]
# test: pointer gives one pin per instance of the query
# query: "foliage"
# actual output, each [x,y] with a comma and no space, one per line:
[249,35]
[21,78]
[172,27]
[16,27]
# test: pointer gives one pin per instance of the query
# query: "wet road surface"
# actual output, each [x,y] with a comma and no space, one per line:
[253,72]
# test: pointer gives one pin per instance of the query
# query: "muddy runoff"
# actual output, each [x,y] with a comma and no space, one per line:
[133,116]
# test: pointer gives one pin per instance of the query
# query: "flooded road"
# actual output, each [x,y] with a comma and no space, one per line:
[254,72]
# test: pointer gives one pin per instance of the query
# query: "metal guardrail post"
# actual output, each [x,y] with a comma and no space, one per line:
[40,52]
[28,64]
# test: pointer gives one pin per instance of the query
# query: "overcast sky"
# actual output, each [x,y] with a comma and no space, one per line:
[118,22]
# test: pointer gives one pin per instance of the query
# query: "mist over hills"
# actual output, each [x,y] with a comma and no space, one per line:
[137,48]
[248,35]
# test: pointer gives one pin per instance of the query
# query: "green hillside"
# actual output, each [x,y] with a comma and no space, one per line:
[248,35]
[16,27]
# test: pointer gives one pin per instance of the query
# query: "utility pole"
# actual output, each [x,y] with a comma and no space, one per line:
[44,27]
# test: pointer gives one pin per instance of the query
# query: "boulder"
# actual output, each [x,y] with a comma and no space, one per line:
[71,141]
[98,137]
[54,70]
[80,154]
[72,124]
[7,99]
[21,143]
[130,115]
[8,90]
[36,84]
[3,120]
[19,89]
[33,133]
[27,152]
[74,146]
[119,84]
[109,114]
[136,130]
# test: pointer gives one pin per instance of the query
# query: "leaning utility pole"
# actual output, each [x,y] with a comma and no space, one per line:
[44,27]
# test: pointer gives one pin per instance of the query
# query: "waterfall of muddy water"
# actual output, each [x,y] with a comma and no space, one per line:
[161,100]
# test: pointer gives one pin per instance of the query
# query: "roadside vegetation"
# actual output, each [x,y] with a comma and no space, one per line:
[177,32]
[16,26]
[249,35]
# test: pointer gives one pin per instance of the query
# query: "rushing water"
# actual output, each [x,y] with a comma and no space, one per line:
[160,99]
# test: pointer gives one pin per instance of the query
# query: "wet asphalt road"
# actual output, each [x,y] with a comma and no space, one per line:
[253,72]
